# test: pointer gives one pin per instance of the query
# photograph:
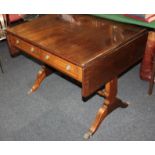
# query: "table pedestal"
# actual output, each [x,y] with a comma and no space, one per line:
[42,74]
[111,102]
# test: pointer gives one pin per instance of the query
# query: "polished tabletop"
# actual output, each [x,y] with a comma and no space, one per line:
[76,38]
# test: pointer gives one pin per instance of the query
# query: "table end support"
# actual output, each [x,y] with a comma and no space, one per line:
[42,74]
[111,102]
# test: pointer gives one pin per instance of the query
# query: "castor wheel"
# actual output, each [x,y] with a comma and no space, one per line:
[29,92]
[87,135]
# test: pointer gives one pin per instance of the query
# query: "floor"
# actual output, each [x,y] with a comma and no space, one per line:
[57,112]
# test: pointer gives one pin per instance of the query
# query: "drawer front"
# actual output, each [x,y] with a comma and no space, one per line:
[62,65]
[26,47]
[48,58]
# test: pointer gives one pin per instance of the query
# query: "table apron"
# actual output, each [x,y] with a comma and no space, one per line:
[56,62]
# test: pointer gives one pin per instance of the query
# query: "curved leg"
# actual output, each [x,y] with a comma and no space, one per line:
[42,74]
[110,104]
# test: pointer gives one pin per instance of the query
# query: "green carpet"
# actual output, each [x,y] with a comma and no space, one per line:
[124,19]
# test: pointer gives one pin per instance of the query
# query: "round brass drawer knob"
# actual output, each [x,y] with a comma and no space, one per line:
[32,49]
[47,57]
[68,67]
[17,41]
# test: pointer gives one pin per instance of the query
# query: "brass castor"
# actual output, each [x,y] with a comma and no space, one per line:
[34,87]
[87,135]
[29,92]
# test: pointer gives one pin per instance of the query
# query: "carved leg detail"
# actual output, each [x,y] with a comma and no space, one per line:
[42,74]
[110,104]
[101,93]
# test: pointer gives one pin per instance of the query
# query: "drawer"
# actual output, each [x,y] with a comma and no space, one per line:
[26,47]
[62,65]
[48,58]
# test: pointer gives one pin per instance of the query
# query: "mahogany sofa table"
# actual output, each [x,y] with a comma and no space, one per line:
[91,50]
